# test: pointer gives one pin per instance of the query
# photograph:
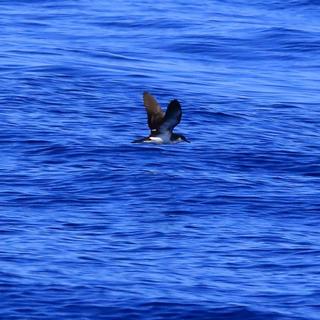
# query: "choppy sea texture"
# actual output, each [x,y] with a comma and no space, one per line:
[94,227]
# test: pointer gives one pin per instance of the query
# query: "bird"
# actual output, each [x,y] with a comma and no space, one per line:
[162,124]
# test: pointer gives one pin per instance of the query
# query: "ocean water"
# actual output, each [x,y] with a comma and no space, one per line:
[95,227]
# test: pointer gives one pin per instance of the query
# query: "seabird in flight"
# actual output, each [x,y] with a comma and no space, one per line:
[162,124]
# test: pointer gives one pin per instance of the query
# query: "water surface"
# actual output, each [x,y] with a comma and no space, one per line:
[94,227]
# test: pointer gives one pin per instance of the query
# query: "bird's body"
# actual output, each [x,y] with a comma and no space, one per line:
[162,124]
[159,138]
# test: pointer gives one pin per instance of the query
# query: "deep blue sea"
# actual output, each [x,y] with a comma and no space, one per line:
[94,227]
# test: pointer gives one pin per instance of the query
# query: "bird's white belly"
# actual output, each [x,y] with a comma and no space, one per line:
[161,138]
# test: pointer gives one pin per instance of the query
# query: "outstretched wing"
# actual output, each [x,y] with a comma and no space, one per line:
[154,111]
[172,116]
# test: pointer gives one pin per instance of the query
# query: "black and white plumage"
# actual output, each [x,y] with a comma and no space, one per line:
[162,124]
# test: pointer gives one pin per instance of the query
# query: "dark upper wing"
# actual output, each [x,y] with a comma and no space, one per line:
[172,116]
[154,111]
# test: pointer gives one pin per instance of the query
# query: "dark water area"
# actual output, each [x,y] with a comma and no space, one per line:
[95,227]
